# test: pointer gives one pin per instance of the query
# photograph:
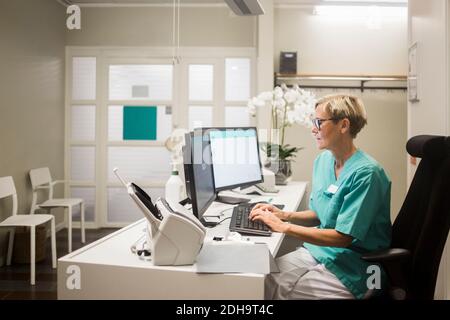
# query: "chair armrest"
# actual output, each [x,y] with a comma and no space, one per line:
[42,187]
[58,181]
[394,261]
[387,255]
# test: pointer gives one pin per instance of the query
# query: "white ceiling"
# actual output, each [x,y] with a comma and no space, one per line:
[145,1]
[222,1]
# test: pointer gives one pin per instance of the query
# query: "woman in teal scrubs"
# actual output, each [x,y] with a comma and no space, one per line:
[350,204]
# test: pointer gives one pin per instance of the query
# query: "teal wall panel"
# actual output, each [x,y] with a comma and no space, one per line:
[139,123]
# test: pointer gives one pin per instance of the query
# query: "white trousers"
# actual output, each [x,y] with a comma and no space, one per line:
[303,277]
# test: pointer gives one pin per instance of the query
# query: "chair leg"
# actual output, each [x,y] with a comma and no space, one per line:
[69,229]
[83,234]
[33,202]
[33,254]
[53,235]
[10,246]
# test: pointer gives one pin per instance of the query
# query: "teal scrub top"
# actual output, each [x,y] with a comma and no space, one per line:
[356,204]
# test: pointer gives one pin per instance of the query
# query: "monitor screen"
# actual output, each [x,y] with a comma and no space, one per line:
[198,173]
[235,157]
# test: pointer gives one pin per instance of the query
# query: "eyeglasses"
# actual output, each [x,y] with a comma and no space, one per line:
[318,122]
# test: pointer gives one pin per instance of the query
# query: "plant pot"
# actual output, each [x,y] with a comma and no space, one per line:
[282,170]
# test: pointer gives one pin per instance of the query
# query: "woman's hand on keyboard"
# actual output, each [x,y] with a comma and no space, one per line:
[276,212]
[269,218]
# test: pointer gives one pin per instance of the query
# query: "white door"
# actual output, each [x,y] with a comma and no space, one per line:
[139,110]
[121,107]
[215,92]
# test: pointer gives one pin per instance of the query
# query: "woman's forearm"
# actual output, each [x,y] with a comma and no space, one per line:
[320,237]
[303,217]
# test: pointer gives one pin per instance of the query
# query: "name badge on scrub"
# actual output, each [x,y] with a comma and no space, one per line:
[332,189]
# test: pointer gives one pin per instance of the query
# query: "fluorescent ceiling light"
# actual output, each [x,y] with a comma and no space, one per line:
[374,2]
[362,12]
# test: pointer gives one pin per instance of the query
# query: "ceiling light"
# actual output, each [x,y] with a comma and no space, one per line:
[362,12]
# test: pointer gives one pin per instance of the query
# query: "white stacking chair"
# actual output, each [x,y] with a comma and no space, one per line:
[8,189]
[41,179]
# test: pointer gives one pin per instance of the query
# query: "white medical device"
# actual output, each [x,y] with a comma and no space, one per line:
[173,237]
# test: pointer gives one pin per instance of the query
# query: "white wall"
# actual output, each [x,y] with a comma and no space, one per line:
[152,26]
[32,34]
[428,25]
[349,47]
[343,46]
[265,63]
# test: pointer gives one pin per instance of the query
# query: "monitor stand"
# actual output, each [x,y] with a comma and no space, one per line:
[231,200]
[203,221]
[208,224]
[185,201]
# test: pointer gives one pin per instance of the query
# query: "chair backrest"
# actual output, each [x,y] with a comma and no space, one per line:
[8,189]
[431,244]
[40,177]
[423,222]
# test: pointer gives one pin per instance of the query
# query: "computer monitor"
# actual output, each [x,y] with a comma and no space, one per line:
[198,173]
[235,159]
[187,164]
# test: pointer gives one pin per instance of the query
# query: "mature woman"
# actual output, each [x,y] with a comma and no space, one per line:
[350,202]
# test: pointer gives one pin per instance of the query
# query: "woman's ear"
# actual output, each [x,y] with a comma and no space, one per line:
[345,125]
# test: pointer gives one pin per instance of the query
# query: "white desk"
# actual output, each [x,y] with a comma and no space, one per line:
[107,269]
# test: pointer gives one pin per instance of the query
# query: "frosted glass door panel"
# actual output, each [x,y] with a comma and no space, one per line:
[115,123]
[82,163]
[122,209]
[164,127]
[84,78]
[88,195]
[237,79]
[200,117]
[139,163]
[83,123]
[140,82]
[201,82]
[237,117]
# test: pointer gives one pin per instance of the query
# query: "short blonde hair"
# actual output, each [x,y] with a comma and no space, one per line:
[341,106]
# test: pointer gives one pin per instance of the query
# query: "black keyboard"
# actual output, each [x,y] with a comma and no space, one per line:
[242,224]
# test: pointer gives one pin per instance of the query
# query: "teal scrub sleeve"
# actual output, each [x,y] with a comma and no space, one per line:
[311,202]
[361,204]
[311,198]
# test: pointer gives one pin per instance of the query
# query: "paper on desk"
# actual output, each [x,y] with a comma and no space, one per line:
[235,258]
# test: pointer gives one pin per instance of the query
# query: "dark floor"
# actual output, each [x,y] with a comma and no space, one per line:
[15,279]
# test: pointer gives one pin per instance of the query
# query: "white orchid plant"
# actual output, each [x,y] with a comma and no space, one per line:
[289,106]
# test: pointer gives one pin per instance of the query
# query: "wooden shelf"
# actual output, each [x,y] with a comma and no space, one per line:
[362,80]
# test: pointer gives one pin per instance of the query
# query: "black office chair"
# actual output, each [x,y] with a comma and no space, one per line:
[420,230]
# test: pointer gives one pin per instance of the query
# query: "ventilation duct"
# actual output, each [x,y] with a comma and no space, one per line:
[245,7]
[66,3]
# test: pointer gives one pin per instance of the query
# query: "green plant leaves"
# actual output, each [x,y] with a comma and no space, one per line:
[281,152]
